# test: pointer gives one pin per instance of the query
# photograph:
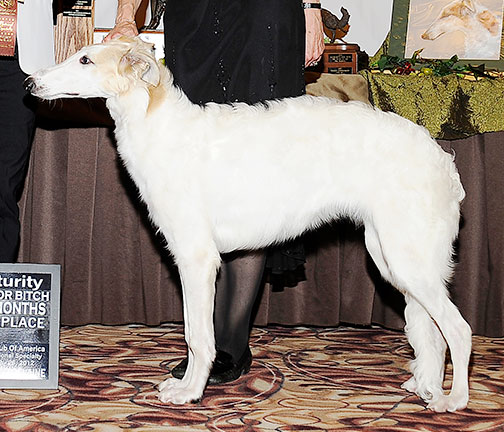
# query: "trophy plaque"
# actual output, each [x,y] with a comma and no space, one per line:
[341,58]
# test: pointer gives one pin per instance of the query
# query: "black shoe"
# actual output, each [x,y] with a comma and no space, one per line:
[223,369]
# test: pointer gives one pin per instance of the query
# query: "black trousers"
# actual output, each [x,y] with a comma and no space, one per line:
[16,131]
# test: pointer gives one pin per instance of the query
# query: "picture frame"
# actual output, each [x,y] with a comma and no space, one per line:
[421,24]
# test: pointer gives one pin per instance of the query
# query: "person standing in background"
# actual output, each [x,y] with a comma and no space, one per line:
[26,44]
[235,51]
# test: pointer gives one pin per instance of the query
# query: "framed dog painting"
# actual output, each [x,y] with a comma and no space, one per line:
[470,29]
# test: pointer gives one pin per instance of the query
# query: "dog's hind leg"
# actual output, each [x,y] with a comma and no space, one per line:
[423,335]
[197,272]
[457,334]
[374,248]
[430,352]
[417,255]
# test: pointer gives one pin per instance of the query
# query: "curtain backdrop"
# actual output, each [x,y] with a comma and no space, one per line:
[79,209]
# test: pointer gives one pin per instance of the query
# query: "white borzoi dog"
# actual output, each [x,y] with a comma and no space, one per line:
[219,178]
[480,26]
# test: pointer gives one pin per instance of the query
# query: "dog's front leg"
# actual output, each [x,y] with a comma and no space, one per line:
[197,272]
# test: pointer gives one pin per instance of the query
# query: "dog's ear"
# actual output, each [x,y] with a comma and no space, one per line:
[143,66]
[469,5]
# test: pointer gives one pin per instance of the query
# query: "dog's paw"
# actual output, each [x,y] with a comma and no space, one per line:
[449,403]
[175,391]
[168,383]
[410,385]
[427,392]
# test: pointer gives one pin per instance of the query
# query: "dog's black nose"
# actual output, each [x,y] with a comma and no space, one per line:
[29,84]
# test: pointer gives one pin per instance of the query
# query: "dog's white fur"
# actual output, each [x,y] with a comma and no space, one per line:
[480,27]
[224,177]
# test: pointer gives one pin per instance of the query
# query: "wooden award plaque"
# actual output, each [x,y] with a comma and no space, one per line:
[74,27]
[341,58]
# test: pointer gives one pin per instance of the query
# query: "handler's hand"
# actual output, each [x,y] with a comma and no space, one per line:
[125,28]
[314,37]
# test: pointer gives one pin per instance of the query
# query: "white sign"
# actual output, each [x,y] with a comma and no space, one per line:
[29,325]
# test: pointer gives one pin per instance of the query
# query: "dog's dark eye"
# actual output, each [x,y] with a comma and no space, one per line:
[85,60]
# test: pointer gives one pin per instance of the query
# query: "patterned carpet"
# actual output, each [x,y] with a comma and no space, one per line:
[302,379]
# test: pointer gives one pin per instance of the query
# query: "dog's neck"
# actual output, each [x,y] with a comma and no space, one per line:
[144,100]
[144,107]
